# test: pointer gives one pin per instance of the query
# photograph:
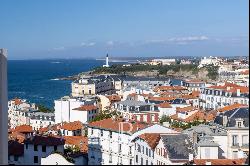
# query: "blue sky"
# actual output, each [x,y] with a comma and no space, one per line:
[36,29]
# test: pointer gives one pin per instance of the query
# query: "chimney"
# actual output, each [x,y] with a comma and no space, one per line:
[238,92]
[224,120]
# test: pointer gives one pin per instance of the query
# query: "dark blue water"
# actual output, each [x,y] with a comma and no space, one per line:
[33,79]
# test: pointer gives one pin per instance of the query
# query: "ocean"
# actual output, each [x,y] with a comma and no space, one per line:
[36,80]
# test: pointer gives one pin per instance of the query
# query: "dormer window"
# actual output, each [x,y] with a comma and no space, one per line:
[239,122]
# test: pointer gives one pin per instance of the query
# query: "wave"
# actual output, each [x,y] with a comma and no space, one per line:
[56,62]
[55,79]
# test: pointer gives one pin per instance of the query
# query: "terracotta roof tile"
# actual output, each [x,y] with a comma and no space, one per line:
[199,115]
[113,98]
[77,141]
[76,125]
[23,129]
[185,109]
[152,139]
[114,125]
[86,108]
[164,105]
[161,98]
[17,101]
[20,137]
[173,88]
[231,107]
[220,161]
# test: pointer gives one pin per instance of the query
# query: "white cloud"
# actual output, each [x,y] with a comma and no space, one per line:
[110,43]
[189,39]
[84,44]
[59,48]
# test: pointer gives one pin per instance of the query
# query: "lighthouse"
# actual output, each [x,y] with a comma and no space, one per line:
[107,61]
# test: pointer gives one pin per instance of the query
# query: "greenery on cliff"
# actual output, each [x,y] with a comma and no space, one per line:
[185,70]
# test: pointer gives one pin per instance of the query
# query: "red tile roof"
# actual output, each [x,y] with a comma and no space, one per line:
[173,88]
[114,98]
[231,107]
[17,101]
[199,115]
[185,109]
[161,98]
[71,126]
[245,72]
[45,140]
[86,108]
[20,137]
[77,141]
[152,139]
[220,161]
[23,129]
[114,125]
[164,105]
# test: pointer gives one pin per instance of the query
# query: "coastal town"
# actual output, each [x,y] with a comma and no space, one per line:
[152,112]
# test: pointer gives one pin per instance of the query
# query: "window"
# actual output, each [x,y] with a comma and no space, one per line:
[149,154]
[120,148]
[55,148]
[235,140]
[15,158]
[35,159]
[110,158]
[35,147]
[245,140]
[27,146]
[110,134]
[130,149]
[101,133]
[92,132]
[141,161]
[146,162]
[89,91]
[43,148]
[139,148]
[207,153]
[130,162]
[136,158]
[146,151]
[143,149]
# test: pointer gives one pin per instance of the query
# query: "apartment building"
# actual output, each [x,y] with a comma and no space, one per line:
[110,140]
[218,96]
[102,84]
[193,85]
[137,110]
[40,119]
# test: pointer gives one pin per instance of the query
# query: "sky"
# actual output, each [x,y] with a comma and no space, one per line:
[41,29]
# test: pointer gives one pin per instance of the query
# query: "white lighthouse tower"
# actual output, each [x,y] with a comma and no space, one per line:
[107,61]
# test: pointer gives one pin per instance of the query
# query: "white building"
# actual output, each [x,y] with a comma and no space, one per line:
[110,140]
[38,147]
[40,119]
[162,149]
[165,61]
[210,61]
[64,107]
[218,96]
[3,108]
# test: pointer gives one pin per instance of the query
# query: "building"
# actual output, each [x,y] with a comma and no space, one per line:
[84,113]
[99,85]
[210,61]
[38,147]
[236,121]
[218,96]
[137,110]
[162,149]
[72,129]
[110,140]
[164,61]
[64,107]
[3,108]
[193,85]
[40,119]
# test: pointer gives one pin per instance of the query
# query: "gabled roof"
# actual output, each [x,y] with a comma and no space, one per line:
[23,129]
[114,125]
[152,139]
[71,126]
[86,108]
[80,141]
[232,107]
[164,105]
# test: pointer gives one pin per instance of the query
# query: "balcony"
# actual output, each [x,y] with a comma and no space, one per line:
[235,146]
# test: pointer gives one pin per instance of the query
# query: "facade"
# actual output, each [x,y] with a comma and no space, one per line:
[210,61]
[65,105]
[84,113]
[215,97]
[40,119]
[110,141]
[137,110]
[38,147]
[193,85]
[103,84]
[236,121]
